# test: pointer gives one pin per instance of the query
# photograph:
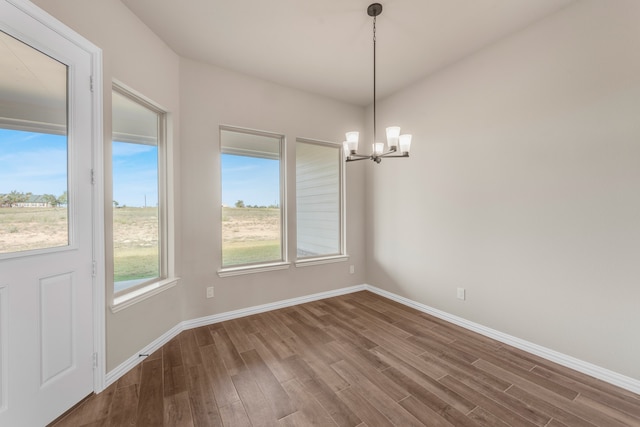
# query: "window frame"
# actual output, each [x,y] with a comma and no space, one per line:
[258,267]
[127,297]
[342,255]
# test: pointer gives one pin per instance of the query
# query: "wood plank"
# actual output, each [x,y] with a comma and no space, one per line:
[366,370]
[557,413]
[173,369]
[339,411]
[361,356]
[432,345]
[620,403]
[342,332]
[592,415]
[177,410]
[204,410]
[338,311]
[237,335]
[189,349]
[273,392]
[275,321]
[270,358]
[124,407]
[527,376]
[364,310]
[271,339]
[230,355]
[385,339]
[522,409]
[370,322]
[234,415]
[217,375]
[376,396]
[449,412]
[320,366]
[307,405]
[504,413]
[363,409]
[203,336]
[131,377]
[423,413]
[311,335]
[486,419]
[623,417]
[399,357]
[258,409]
[151,402]
[297,419]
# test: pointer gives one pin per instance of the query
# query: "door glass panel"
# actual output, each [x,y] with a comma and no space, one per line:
[33,149]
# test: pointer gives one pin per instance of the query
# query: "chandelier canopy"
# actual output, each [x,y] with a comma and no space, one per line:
[397,145]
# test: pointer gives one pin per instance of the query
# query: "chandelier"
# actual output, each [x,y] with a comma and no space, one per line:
[397,145]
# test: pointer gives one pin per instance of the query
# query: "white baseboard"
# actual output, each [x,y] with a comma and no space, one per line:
[113,375]
[134,360]
[216,318]
[595,371]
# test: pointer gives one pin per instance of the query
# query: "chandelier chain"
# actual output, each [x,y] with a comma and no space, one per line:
[374,80]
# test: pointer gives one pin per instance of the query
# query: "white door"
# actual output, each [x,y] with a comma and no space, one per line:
[46,284]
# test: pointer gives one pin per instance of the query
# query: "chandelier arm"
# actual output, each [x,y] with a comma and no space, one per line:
[352,159]
[392,154]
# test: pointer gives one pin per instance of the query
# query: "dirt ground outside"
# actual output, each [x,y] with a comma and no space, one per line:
[248,235]
[23,229]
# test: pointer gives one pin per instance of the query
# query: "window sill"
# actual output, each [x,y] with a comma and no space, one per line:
[308,262]
[131,298]
[250,269]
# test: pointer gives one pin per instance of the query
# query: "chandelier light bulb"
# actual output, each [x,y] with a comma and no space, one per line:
[393,132]
[352,141]
[405,143]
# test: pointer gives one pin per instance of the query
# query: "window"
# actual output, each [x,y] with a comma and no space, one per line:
[252,176]
[319,203]
[139,208]
[34,150]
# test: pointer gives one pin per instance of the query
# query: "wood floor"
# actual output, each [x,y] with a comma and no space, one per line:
[354,360]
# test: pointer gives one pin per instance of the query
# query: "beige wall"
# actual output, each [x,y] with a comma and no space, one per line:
[212,96]
[523,187]
[199,99]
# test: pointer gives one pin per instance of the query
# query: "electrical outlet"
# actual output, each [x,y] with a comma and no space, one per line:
[210,292]
[352,269]
[461,294]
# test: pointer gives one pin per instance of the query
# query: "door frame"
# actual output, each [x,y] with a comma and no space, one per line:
[97,179]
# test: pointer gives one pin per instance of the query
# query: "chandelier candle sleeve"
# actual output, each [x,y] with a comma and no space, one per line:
[394,139]
[405,143]
[352,141]
[393,133]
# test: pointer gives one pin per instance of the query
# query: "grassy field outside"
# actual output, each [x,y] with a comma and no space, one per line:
[249,235]
[135,244]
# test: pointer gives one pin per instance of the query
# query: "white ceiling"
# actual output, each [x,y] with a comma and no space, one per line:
[326,46]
